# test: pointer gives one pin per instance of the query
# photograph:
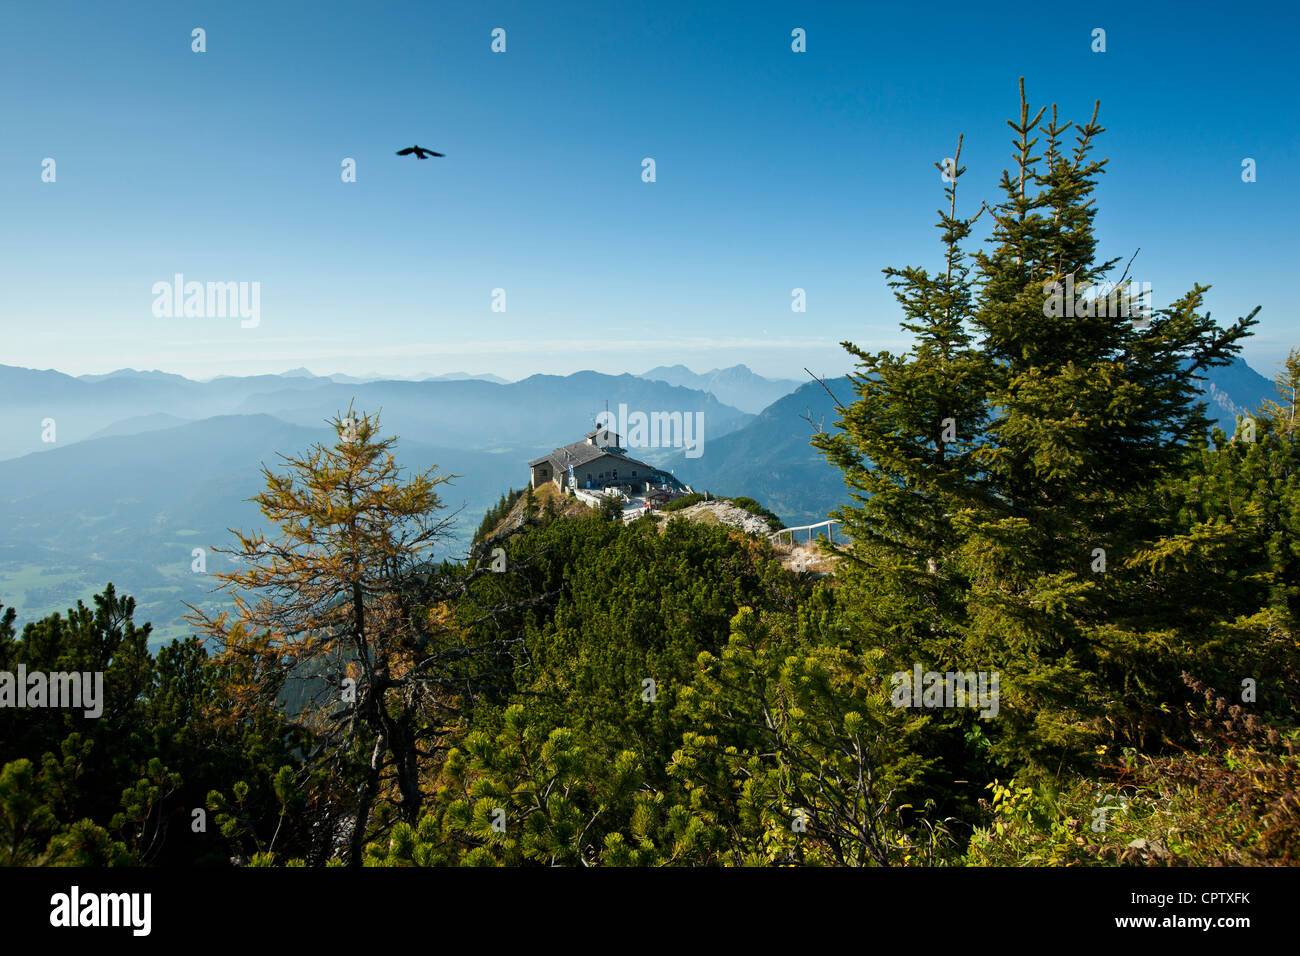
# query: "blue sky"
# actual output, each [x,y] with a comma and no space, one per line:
[775,170]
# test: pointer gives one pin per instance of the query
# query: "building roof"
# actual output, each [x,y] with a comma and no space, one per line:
[579,453]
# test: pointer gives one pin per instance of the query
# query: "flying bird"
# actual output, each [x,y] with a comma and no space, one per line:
[419,151]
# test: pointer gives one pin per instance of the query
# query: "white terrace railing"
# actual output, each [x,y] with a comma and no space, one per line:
[810,528]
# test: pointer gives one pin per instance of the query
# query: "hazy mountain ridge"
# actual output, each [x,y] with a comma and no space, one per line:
[138,424]
[535,414]
[737,386]
[79,407]
[130,509]
[130,505]
[129,487]
[1233,390]
[769,459]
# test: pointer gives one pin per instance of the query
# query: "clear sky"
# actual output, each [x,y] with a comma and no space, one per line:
[774,170]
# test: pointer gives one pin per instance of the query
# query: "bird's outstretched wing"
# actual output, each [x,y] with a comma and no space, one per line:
[432,153]
[406,152]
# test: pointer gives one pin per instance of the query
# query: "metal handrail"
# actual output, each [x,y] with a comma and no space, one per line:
[828,525]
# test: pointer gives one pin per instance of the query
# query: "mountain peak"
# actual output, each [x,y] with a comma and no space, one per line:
[737,386]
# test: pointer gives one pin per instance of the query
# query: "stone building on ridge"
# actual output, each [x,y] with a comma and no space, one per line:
[598,462]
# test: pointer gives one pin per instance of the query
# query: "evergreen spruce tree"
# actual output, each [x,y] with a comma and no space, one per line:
[906,450]
[1285,409]
[1004,549]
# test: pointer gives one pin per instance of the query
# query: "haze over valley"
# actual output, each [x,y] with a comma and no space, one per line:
[147,466]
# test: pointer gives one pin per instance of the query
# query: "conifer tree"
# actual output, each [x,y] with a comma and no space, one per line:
[795,755]
[905,447]
[344,616]
[1285,409]
[991,552]
[1088,412]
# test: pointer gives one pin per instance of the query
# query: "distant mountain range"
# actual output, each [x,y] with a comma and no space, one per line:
[131,508]
[155,376]
[303,373]
[770,460]
[140,423]
[147,466]
[376,377]
[736,386]
[1234,390]
[457,377]
[533,415]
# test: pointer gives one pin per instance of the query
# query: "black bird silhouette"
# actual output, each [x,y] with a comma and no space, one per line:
[419,151]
